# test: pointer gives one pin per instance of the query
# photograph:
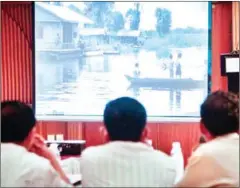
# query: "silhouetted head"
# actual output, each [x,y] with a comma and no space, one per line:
[125,120]
[18,122]
[220,114]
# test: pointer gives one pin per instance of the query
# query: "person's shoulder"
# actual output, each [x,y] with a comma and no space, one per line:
[163,158]
[39,171]
[93,151]
[36,162]
[209,148]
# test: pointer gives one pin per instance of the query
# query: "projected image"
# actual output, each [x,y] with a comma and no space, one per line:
[88,53]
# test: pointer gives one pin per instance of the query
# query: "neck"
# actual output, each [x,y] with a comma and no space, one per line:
[23,144]
[210,137]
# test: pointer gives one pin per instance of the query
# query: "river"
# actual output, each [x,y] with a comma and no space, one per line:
[82,87]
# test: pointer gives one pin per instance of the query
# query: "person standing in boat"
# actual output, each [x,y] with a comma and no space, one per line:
[179,66]
[136,71]
[171,66]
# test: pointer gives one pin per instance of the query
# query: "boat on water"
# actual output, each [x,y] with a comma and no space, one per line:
[166,83]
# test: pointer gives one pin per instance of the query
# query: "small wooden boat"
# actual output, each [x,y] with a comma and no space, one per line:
[166,83]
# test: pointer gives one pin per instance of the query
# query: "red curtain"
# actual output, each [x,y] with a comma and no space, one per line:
[16,67]
[221,41]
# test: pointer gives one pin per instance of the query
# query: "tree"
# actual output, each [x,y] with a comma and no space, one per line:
[164,21]
[116,21]
[134,16]
[57,3]
[99,12]
[75,9]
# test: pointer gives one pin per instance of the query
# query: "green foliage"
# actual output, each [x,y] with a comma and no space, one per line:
[164,21]
[75,9]
[174,40]
[135,17]
[99,12]
[103,16]
[116,21]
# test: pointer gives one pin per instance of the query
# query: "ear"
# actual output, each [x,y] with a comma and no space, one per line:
[145,133]
[202,127]
[104,134]
[204,131]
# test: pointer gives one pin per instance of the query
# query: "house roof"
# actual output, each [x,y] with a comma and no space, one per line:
[64,13]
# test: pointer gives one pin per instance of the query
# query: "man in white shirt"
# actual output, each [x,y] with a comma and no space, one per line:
[216,162]
[25,160]
[126,160]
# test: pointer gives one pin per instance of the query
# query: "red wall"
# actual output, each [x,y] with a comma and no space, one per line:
[16,77]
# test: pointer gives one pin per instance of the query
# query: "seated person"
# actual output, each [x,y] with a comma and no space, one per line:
[126,160]
[216,162]
[25,160]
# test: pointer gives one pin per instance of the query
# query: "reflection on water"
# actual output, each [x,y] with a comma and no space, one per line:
[83,86]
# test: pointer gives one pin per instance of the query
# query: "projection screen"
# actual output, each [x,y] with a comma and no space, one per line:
[88,53]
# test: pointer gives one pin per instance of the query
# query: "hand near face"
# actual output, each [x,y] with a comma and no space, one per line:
[39,147]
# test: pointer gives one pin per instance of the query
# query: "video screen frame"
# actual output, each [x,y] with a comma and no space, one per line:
[99,117]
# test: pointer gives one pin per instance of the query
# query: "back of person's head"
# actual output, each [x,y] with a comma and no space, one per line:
[18,120]
[125,119]
[220,113]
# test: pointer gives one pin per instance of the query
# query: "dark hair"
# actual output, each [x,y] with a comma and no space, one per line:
[220,113]
[125,119]
[17,121]
[202,140]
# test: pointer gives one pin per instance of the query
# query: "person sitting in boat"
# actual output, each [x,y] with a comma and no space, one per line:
[171,66]
[179,66]
[136,71]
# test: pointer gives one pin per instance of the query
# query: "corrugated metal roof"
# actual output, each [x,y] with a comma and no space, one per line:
[64,13]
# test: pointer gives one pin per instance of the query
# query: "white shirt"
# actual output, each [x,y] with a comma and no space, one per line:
[214,164]
[126,164]
[20,168]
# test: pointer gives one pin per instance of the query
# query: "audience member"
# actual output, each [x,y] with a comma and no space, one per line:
[126,160]
[25,160]
[216,162]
